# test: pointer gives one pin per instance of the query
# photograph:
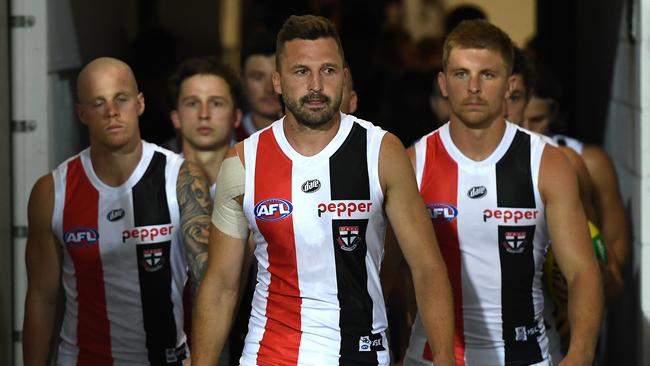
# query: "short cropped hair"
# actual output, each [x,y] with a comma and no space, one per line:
[480,34]
[204,66]
[522,66]
[263,45]
[307,27]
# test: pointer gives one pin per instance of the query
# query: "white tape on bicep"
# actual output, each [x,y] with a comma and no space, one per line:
[228,214]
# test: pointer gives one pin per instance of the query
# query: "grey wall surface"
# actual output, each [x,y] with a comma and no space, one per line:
[5,197]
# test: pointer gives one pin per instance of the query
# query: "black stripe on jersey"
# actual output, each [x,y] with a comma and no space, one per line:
[154,266]
[149,197]
[349,168]
[520,331]
[514,178]
[358,345]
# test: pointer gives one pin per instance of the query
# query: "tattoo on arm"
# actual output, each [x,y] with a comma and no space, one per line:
[196,207]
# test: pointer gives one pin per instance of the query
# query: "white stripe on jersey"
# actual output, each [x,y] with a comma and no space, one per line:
[119,260]
[480,277]
[315,260]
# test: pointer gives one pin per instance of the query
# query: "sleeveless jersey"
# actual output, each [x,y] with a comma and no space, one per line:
[123,268]
[319,228]
[562,140]
[489,220]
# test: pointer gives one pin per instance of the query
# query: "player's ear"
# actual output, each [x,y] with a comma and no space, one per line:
[238,116]
[442,83]
[175,119]
[140,102]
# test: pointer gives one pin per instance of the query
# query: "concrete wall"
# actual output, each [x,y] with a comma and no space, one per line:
[5,196]
[627,139]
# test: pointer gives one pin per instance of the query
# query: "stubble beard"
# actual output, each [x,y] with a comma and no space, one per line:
[309,118]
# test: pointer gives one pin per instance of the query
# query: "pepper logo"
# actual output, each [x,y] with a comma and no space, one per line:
[81,236]
[273,209]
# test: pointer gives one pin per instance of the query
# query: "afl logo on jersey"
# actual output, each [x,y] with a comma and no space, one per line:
[115,215]
[477,192]
[81,236]
[311,186]
[273,209]
[441,213]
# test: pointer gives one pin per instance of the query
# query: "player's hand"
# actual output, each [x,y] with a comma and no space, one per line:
[612,278]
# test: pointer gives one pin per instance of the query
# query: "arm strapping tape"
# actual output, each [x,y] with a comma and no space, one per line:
[228,214]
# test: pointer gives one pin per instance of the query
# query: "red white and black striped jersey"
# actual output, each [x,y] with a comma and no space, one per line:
[490,223]
[319,229]
[124,265]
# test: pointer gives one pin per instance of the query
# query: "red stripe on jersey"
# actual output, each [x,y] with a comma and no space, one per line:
[273,177]
[440,185]
[81,228]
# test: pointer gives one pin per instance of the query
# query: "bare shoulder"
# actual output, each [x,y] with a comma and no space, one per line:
[41,199]
[556,173]
[42,244]
[392,159]
[598,163]
[411,154]
[236,150]
[570,154]
[391,149]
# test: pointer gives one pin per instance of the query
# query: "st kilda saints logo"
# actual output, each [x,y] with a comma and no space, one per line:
[348,234]
[348,238]
[153,259]
[515,239]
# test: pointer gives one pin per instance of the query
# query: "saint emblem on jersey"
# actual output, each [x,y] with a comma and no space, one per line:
[81,236]
[441,213]
[515,239]
[348,237]
[152,259]
[310,186]
[273,209]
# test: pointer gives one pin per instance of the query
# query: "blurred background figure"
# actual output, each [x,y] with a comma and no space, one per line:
[262,105]
[543,116]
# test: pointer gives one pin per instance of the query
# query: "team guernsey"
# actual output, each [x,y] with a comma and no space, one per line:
[124,266]
[574,144]
[319,228]
[489,219]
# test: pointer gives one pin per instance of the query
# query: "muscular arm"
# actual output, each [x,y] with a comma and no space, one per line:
[417,240]
[195,206]
[218,293]
[612,218]
[572,248]
[584,181]
[43,260]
